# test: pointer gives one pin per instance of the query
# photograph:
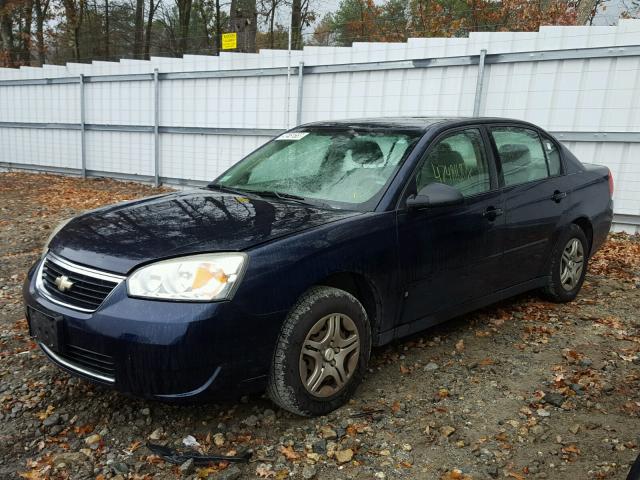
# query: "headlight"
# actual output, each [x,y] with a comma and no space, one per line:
[211,276]
[54,232]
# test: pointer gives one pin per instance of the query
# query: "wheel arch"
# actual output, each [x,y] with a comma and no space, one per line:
[363,289]
[585,224]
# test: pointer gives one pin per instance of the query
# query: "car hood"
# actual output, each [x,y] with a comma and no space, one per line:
[122,236]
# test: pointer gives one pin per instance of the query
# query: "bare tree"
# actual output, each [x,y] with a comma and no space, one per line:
[153,6]
[587,10]
[74,12]
[26,21]
[269,9]
[184,17]
[7,54]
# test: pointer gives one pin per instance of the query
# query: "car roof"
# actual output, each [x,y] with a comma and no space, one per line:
[411,123]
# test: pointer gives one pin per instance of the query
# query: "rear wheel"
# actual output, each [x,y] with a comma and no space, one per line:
[322,352]
[568,265]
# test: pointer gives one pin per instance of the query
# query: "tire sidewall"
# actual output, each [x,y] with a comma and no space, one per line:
[557,290]
[335,301]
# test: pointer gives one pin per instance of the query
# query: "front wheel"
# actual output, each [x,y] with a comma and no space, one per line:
[568,265]
[322,352]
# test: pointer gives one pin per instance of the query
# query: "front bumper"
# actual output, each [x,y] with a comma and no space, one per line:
[163,350]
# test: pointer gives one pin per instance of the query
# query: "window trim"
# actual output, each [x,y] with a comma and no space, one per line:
[545,136]
[491,126]
[493,177]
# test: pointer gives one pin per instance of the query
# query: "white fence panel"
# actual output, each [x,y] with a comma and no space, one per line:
[203,157]
[36,147]
[40,103]
[120,152]
[119,103]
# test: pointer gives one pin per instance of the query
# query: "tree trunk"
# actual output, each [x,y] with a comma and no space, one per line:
[25,37]
[184,16]
[138,44]
[586,11]
[107,32]
[218,28]
[272,18]
[296,24]
[74,15]
[147,35]
[7,54]
[243,20]
[41,8]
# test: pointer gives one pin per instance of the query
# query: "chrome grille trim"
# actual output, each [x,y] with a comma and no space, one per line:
[88,272]
[72,366]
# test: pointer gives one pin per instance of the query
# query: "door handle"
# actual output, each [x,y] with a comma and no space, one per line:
[558,196]
[491,213]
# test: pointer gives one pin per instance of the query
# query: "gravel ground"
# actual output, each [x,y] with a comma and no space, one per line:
[523,389]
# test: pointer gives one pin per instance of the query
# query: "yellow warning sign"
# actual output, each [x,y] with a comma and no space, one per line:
[229,41]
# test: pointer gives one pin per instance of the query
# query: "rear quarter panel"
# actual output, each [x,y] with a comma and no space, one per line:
[588,196]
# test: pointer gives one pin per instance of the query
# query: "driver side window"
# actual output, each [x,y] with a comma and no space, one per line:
[459,161]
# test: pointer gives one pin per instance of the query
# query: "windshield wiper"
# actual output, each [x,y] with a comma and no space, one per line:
[280,195]
[224,188]
[293,197]
[269,193]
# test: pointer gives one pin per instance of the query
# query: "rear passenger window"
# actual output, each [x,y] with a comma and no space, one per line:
[553,156]
[459,161]
[521,154]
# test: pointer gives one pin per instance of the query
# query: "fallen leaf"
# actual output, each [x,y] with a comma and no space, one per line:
[289,453]
[265,471]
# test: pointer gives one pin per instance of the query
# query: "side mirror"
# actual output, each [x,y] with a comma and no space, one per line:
[435,195]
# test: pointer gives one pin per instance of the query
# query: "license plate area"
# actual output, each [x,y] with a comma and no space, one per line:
[47,329]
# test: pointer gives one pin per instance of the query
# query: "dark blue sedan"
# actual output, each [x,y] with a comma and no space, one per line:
[330,239]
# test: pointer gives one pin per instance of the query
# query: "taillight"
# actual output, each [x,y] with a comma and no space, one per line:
[610,183]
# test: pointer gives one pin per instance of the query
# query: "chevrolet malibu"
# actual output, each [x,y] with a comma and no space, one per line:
[332,238]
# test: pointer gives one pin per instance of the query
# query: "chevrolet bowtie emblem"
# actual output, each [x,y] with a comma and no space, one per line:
[63,283]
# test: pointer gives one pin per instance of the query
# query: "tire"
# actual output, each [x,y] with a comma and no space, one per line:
[560,288]
[337,373]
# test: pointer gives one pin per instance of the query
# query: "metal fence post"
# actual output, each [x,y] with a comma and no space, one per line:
[83,130]
[300,89]
[479,83]
[156,129]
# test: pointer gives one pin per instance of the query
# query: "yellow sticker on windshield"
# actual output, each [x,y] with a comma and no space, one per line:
[292,136]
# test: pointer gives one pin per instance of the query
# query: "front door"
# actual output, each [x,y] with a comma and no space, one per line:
[449,255]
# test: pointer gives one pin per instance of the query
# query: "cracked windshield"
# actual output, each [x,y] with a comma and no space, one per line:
[341,168]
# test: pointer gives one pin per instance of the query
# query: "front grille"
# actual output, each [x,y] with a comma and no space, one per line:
[88,289]
[94,362]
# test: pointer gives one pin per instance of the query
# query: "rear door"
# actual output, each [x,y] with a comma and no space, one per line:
[535,198]
[449,254]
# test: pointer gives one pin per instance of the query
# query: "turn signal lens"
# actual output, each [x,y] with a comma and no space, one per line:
[610,183]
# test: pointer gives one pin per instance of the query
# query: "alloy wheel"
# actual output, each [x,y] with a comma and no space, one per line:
[329,355]
[571,264]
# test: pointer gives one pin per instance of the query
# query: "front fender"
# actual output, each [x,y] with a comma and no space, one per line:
[278,273]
